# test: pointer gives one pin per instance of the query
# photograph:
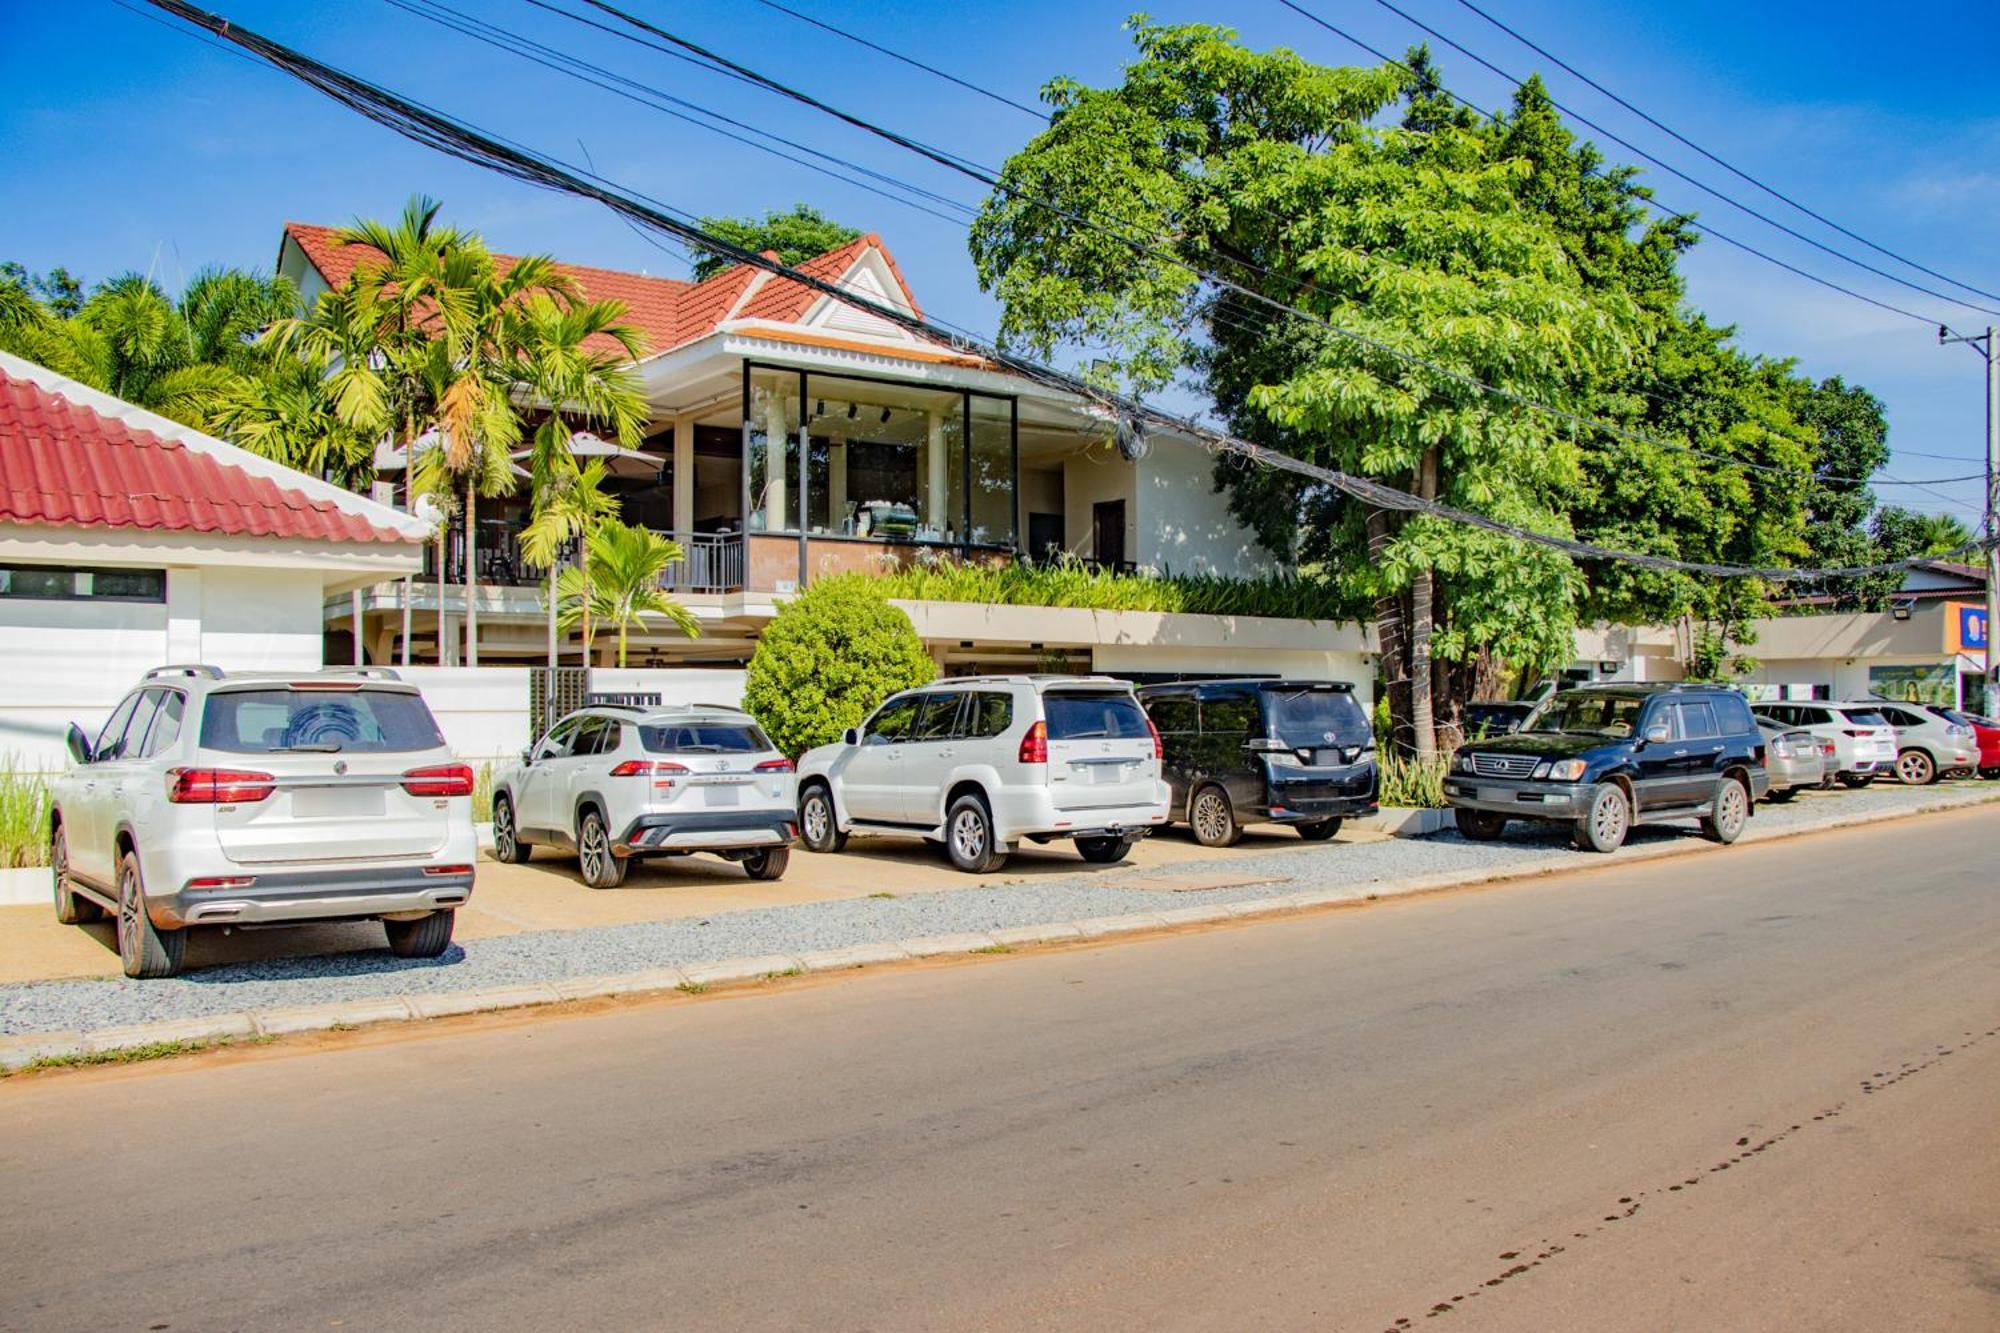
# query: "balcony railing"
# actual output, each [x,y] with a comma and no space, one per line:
[713,564]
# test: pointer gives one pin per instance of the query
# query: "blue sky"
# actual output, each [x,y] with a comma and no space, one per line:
[130,146]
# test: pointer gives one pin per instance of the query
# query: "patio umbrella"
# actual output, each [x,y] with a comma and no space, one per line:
[628,464]
[389,459]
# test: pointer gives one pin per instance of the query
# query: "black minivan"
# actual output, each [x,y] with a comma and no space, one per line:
[1297,752]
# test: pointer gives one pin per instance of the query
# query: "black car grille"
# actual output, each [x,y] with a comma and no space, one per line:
[1503,765]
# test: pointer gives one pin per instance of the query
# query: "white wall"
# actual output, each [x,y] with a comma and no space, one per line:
[1184,524]
[1087,479]
[483,711]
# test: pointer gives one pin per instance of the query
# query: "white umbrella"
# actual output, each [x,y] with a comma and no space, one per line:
[631,464]
[388,458]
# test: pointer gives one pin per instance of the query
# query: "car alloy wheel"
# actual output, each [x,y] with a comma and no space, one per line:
[131,918]
[1915,768]
[968,835]
[1607,817]
[503,830]
[816,819]
[1732,810]
[1213,822]
[601,869]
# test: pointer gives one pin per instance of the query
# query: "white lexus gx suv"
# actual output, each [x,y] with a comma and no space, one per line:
[259,799]
[619,782]
[981,763]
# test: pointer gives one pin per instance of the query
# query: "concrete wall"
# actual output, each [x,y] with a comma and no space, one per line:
[483,711]
[1184,523]
[1087,479]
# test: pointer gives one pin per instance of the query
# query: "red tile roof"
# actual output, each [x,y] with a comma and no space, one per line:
[667,311]
[65,463]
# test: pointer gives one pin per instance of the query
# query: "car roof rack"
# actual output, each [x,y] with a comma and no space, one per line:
[202,669]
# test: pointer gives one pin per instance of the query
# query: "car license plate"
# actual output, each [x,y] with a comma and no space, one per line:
[1101,773]
[720,795]
[337,802]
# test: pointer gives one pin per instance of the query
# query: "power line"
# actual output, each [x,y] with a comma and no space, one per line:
[1736,171]
[911,61]
[987,177]
[1672,170]
[426,126]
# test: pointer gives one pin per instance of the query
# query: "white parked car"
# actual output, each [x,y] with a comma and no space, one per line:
[256,799]
[1864,744]
[980,763]
[617,782]
[1928,745]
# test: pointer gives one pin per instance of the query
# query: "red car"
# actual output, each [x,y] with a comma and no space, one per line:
[1988,733]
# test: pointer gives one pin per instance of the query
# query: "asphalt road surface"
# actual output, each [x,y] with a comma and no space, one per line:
[1755,1089]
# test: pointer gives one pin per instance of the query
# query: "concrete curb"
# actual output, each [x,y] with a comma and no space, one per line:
[16,1052]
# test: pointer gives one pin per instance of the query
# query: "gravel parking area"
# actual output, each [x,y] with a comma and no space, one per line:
[560,955]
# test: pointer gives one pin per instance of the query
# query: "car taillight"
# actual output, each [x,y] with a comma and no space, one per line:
[775,766]
[649,768]
[218,786]
[439,780]
[1035,745]
[1828,749]
[1159,746]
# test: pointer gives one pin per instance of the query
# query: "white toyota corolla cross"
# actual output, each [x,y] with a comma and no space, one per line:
[260,799]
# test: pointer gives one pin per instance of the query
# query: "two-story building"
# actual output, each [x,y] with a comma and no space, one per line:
[794,436]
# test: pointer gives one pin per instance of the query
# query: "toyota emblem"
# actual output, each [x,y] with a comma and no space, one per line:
[340,767]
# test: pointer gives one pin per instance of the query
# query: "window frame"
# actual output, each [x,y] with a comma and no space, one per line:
[7,594]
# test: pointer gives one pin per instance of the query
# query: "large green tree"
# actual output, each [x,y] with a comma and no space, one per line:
[1289,179]
[797,235]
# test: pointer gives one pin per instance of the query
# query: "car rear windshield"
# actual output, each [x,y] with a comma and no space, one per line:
[283,720]
[703,738]
[1086,715]
[1862,717]
[1303,718]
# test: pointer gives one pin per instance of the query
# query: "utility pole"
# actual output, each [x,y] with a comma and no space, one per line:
[1989,343]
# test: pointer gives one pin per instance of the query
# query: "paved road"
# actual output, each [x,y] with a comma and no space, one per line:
[1751,1091]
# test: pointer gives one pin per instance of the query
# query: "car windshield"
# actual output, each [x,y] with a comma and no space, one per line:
[703,738]
[1305,718]
[1862,717]
[1592,712]
[1079,715]
[305,720]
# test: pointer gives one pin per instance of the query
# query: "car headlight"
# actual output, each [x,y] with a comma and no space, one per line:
[1284,759]
[1461,763]
[1563,770]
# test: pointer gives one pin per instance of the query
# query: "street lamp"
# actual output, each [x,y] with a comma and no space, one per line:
[1989,343]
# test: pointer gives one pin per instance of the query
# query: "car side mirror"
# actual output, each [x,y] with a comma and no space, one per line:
[852,736]
[78,741]
[1657,734]
[527,754]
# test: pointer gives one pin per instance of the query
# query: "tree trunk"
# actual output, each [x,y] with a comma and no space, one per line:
[471,576]
[443,626]
[1421,619]
[583,563]
[1391,680]
[621,645]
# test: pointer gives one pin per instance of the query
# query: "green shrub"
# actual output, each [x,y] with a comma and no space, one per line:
[1074,584]
[24,817]
[1410,783]
[828,658]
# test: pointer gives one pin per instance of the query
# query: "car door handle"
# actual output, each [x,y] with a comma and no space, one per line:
[946,753]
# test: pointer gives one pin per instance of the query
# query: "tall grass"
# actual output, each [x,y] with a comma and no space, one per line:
[1410,783]
[482,793]
[1073,584]
[24,817]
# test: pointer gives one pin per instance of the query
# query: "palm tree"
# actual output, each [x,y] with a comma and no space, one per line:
[623,565]
[568,509]
[1940,534]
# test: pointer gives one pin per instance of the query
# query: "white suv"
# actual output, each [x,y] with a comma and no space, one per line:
[616,781]
[1928,745]
[979,763]
[1864,744]
[252,799]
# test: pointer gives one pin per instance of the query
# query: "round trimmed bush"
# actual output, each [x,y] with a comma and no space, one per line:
[828,658]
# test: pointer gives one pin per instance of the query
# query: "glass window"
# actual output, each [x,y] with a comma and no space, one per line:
[1305,718]
[892,722]
[1864,717]
[704,738]
[67,583]
[992,472]
[988,715]
[1082,715]
[1697,721]
[895,458]
[1733,715]
[589,738]
[613,737]
[773,430]
[1594,712]
[111,740]
[1232,714]
[166,723]
[351,721]
[938,719]
[134,744]
[1173,714]
[556,743]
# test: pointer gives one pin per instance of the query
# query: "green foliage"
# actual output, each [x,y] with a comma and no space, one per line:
[24,816]
[58,289]
[1411,782]
[1072,583]
[828,658]
[796,235]
[1904,534]
[619,582]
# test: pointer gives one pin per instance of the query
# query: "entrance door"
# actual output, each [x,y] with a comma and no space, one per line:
[1107,532]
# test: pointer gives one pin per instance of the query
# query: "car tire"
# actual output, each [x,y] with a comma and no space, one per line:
[144,950]
[819,828]
[507,844]
[1781,794]
[1318,830]
[1856,781]
[426,937]
[1606,822]
[1731,812]
[1989,773]
[1103,851]
[1916,768]
[72,909]
[601,867]
[968,836]
[767,863]
[1212,819]
[1479,825]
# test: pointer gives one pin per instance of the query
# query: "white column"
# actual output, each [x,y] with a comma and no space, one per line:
[939,508]
[684,426]
[776,440]
[836,481]
[183,615]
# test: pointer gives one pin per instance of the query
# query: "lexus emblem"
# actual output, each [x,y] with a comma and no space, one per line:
[340,767]
[1327,736]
